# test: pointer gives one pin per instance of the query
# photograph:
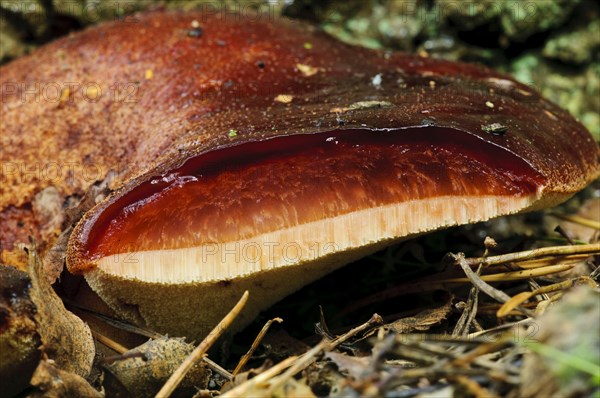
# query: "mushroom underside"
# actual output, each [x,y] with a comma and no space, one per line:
[272,216]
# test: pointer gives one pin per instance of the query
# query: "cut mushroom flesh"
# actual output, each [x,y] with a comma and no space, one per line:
[289,200]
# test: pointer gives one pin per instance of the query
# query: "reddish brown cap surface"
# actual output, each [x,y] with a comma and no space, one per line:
[150,95]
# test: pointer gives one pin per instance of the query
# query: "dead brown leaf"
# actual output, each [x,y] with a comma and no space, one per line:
[65,338]
[144,374]
[423,320]
[355,367]
[52,382]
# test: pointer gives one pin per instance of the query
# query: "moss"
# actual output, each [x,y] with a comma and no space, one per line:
[469,15]
[578,91]
[575,47]
[524,67]
[521,20]
[11,43]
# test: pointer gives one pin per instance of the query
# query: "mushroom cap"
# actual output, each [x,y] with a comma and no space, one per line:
[152,97]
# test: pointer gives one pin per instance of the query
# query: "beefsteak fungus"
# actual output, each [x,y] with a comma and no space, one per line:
[260,155]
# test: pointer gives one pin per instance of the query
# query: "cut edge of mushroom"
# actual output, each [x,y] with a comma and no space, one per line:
[180,308]
[307,242]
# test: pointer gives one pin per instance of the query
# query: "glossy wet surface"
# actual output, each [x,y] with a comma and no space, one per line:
[242,191]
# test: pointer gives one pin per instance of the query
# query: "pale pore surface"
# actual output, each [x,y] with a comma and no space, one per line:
[310,241]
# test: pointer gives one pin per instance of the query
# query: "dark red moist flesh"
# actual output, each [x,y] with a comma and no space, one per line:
[241,191]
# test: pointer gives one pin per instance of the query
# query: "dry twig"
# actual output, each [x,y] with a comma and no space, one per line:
[524,296]
[199,352]
[581,251]
[577,220]
[255,344]
[478,282]
[302,362]
[110,343]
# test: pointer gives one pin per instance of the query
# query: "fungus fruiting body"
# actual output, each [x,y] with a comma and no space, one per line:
[249,160]
[260,205]
[273,215]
